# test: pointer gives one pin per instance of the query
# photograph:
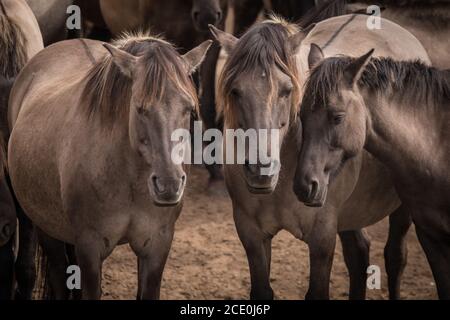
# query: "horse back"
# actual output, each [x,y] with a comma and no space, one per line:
[54,68]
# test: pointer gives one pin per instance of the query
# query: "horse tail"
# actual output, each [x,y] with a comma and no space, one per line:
[13,53]
[323,11]
[41,289]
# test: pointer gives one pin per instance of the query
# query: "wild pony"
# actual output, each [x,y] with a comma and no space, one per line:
[107,176]
[183,22]
[20,40]
[260,87]
[399,112]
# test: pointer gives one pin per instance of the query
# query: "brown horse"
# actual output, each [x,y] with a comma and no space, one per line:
[259,87]
[20,40]
[185,23]
[397,111]
[107,177]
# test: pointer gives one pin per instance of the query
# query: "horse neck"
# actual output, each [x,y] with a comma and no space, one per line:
[403,133]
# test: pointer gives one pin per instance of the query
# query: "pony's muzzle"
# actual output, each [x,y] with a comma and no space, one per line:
[167,191]
[309,191]
[261,178]
[203,18]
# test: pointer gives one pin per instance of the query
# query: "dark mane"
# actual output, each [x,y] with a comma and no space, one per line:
[327,9]
[385,76]
[13,54]
[264,46]
[107,91]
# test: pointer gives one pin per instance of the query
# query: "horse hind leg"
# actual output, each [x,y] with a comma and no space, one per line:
[396,251]
[356,251]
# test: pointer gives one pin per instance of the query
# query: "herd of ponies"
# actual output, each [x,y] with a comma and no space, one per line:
[363,116]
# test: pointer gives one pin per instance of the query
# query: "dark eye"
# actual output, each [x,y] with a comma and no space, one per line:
[141,110]
[145,142]
[235,93]
[286,92]
[337,117]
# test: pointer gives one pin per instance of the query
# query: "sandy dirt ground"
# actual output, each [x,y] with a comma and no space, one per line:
[207,260]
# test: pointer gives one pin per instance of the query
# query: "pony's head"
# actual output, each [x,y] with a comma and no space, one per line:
[145,81]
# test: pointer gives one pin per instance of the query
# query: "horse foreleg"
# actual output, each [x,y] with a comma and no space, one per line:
[88,250]
[321,243]
[152,257]
[356,249]
[257,246]
[396,251]
[6,270]
[437,251]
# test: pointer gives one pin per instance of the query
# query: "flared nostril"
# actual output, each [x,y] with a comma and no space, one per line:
[159,187]
[314,189]
[6,231]
[196,15]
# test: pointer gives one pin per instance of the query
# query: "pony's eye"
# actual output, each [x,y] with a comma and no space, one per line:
[141,110]
[145,141]
[285,92]
[338,117]
[235,93]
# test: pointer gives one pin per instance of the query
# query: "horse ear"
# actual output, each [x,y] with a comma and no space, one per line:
[315,56]
[354,70]
[226,40]
[125,61]
[296,40]
[195,57]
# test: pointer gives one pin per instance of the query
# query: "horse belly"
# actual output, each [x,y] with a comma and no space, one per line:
[35,179]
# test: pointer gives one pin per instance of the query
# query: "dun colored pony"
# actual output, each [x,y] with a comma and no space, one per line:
[397,111]
[183,22]
[259,88]
[90,151]
[20,40]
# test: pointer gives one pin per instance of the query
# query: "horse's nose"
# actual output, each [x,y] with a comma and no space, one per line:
[306,188]
[218,16]
[264,169]
[313,189]
[203,18]
[164,186]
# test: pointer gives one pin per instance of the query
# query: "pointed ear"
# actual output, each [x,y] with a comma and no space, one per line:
[315,56]
[226,40]
[354,70]
[296,40]
[125,61]
[195,57]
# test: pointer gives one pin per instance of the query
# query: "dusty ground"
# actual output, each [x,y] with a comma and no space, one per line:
[207,260]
